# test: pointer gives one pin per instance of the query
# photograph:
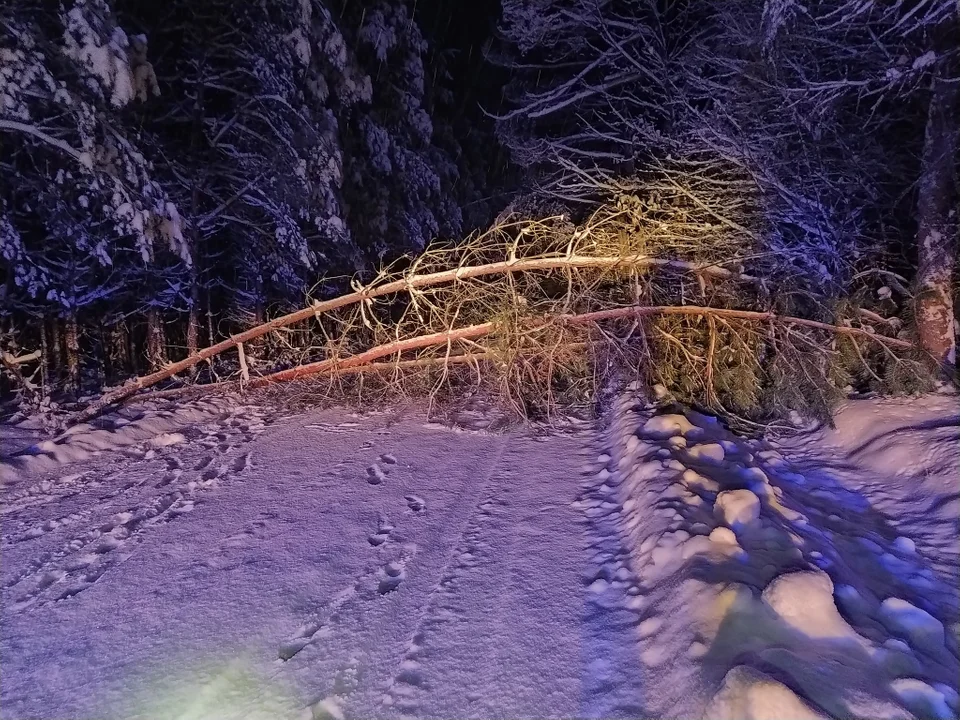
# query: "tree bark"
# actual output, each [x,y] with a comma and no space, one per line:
[193,320]
[119,351]
[72,342]
[937,223]
[156,343]
[55,351]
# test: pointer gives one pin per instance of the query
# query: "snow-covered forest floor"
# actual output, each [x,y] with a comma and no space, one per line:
[223,560]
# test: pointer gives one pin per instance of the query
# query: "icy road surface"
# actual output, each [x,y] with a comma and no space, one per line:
[226,561]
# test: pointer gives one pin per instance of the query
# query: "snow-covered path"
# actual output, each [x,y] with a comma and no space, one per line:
[395,570]
[229,561]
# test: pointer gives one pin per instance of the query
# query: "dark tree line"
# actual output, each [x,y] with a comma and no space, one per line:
[171,172]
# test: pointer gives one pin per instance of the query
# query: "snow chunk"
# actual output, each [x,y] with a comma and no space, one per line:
[922,699]
[327,709]
[804,600]
[710,453]
[905,545]
[723,536]
[737,508]
[918,626]
[750,695]
[755,477]
[693,479]
[665,426]
[167,439]
[925,60]
[949,694]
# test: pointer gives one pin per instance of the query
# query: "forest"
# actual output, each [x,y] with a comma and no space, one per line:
[751,203]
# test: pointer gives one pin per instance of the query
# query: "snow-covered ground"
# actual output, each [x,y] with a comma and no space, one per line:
[223,560]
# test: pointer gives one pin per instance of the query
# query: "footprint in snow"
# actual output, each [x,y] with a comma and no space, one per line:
[388,459]
[241,463]
[204,462]
[168,478]
[391,575]
[384,528]
[415,503]
[375,475]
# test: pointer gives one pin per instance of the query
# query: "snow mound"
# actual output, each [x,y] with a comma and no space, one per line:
[804,600]
[737,508]
[157,428]
[665,426]
[723,536]
[167,439]
[923,700]
[709,453]
[918,626]
[747,694]
[694,480]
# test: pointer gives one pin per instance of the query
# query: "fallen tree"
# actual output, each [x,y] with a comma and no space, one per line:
[410,281]
[541,301]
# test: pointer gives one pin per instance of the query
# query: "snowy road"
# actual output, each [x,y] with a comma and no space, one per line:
[229,561]
[398,570]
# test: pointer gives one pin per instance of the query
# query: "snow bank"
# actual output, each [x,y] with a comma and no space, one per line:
[918,626]
[750,695]
[771,549]
[804,600]
[81,442]
[737,508]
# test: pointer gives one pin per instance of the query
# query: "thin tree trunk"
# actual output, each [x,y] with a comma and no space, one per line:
[44,358]
[936,224]
[119,351]
[72,342]
[55,348]
[156,343]
[210,335]
[133,356]
[193,320]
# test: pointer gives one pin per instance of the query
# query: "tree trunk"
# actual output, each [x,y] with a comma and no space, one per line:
[44,358]
[156,343]
[936,223]
[193,324]
[196,137]
[210,333]
[72,342]
[119,351]
[56,359]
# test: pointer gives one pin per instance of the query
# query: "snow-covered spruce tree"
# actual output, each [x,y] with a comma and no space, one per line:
[399,180]
[84,219]
[253,149]
[309,148]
